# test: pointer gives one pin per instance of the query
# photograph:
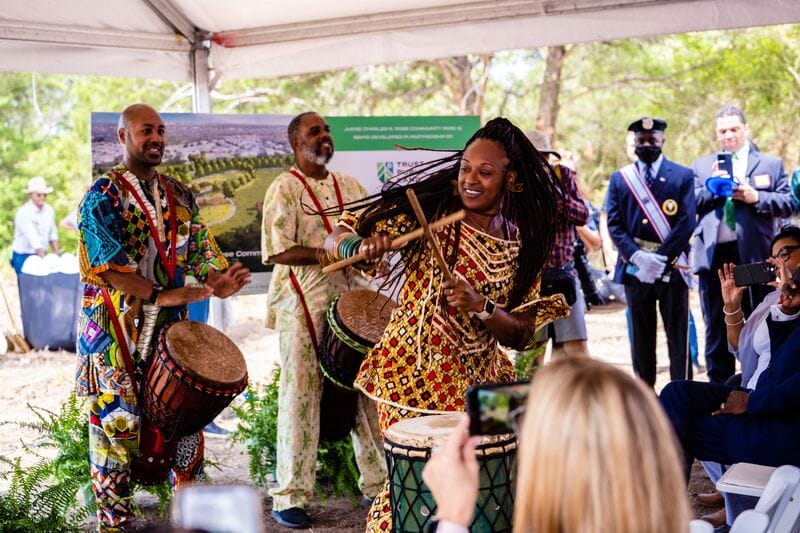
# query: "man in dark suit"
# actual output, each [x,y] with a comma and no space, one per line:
[736,229]
[758,422]
[651,216]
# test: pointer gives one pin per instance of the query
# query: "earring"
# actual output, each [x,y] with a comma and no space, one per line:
[455,187]
[515,187]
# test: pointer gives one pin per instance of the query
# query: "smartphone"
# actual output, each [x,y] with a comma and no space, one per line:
[753,274]
[218,509]
[492,406]
[725,162]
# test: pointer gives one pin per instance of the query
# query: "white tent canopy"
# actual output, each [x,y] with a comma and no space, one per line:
[199,40]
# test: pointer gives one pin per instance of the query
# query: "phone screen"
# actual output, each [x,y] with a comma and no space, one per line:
[492,407]
[725,162]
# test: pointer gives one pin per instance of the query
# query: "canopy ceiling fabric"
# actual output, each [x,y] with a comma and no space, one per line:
[163,39]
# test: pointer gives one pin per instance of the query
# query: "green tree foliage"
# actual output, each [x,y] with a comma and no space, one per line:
[684,79]
[604,86]
[45,132]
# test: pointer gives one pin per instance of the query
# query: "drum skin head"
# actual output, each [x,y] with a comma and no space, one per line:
[366,313]
[427,432]
[205,352]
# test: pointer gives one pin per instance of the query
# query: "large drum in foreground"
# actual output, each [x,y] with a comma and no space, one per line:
[409,444]
[195,373]
[354,324]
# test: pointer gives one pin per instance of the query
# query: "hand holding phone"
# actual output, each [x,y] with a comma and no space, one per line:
[453,476]
[493,408]
[725,163]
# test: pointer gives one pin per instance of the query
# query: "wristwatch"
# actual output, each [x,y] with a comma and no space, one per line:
[157,289]
[488,310]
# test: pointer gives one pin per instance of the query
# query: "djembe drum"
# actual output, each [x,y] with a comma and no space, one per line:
[194,374]
[408,445]
[354,323]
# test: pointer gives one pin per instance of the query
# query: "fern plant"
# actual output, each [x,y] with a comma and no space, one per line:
[258,429]
[55,493]
[527,362]
[337,471]
[21,511]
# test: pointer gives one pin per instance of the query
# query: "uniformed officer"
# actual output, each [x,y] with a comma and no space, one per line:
[651,216]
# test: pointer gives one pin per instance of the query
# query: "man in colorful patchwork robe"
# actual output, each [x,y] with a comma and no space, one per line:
[140,236]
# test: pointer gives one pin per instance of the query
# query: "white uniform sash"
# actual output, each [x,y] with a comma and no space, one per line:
[647,202]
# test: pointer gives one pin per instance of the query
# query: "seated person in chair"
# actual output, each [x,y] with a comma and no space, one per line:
[759,421]
[747,344]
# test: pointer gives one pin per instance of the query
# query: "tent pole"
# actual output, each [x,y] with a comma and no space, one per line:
[201,90]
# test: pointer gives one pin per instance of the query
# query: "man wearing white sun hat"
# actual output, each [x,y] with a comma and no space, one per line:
[34,225]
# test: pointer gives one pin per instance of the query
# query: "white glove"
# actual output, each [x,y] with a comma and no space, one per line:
[649,266]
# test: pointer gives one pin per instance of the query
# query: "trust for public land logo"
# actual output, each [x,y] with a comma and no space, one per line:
[385,171]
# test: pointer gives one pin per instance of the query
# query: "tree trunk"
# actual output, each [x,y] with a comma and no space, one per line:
[551,86]
[468,95]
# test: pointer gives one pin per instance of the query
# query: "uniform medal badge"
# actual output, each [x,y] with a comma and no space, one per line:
[647,123]
[669,207]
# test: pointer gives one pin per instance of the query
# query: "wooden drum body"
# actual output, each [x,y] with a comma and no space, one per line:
[408,445]
[354,324]
[194,374]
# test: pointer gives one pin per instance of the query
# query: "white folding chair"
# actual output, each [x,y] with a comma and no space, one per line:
[778,490]
[777,494]
[745,478]
[750,521]
[700,526]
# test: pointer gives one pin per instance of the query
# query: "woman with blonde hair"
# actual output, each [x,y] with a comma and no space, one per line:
[596,453]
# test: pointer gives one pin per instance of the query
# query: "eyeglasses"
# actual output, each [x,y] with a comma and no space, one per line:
[786,252]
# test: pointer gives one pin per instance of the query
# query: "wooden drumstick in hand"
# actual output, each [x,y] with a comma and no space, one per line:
[401,241]
[433,242]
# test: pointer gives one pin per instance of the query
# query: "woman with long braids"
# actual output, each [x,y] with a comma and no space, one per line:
[444,335]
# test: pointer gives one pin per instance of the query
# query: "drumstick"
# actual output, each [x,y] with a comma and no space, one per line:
[433,242]
[400,241]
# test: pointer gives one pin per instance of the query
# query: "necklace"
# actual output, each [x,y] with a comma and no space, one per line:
[472,217]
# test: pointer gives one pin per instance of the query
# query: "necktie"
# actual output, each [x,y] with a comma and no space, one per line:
[729,209]
[729,213]
[648,175]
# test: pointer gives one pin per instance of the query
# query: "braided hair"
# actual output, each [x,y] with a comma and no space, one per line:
[533,209]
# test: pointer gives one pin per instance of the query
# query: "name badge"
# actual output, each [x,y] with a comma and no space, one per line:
[762,180]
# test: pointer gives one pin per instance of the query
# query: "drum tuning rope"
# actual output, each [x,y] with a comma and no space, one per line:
[150,313]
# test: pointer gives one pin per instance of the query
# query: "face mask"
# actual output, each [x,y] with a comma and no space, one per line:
[648,154]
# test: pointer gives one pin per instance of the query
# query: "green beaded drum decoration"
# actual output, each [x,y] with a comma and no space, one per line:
[408,445]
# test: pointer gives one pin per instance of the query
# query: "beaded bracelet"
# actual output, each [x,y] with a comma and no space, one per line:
[349,245]
[333,251]
[737,311]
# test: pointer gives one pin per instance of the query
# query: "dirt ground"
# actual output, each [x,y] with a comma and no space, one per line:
[44,378]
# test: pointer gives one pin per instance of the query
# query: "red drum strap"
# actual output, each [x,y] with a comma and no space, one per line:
[123,345]
[306,312]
